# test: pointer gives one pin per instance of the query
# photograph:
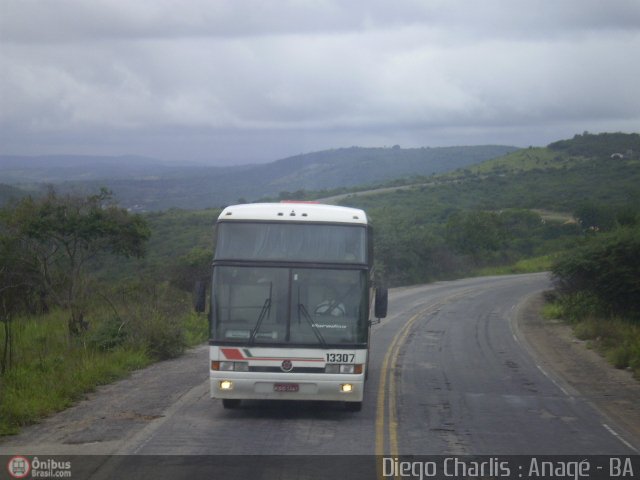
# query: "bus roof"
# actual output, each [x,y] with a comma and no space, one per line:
[294,212]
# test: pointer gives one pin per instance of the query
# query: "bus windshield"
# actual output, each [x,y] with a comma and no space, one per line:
[301,306]
[291,242]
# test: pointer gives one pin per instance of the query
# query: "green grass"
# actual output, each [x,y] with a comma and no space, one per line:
[195,328]
[50,371]
[616,339]
[34,390]
[552,311]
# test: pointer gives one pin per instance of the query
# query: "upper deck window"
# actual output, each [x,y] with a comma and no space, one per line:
[294,242]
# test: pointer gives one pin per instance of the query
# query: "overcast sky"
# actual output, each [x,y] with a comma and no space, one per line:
[243,81]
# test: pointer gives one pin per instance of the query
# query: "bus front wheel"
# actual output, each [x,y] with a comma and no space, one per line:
[353,406]
[230,403]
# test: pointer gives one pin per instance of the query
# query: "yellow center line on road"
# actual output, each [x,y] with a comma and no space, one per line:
[393,419]
[388,374]
[391,357]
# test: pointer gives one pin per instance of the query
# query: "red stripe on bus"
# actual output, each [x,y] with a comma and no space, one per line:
[232,353]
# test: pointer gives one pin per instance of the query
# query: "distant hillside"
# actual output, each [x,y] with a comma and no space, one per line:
[61,168]
[503,210]
[361,166]
[492,214]
[603,145]
[145,184]
[495,213]
[586,168]
[565,154]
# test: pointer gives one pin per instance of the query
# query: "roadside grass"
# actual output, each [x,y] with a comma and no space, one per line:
[195,328]
[616,339]
[527,265]
[50,370]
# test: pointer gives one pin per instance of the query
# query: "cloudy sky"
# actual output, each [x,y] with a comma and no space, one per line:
[243,81]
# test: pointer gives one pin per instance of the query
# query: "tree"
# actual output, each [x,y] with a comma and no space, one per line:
[592,217]
[475,233]
[17,279]
[10,284]
[59,235]
[195,265]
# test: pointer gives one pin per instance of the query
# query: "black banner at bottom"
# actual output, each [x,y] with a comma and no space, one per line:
[320,467]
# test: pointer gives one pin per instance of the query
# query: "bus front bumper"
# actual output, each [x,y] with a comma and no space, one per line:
[274,386]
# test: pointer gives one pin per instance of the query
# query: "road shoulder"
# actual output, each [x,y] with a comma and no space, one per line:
[580,371]
[116,413]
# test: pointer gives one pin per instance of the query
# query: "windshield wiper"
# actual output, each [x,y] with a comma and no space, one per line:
[264,312]
[316,331]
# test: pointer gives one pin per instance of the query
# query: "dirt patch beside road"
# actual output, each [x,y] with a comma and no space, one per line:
[107,418]
[580,371]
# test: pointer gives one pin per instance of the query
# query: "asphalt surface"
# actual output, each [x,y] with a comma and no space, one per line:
[467,385]
[448,375]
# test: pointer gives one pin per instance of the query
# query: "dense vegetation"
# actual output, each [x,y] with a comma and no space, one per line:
[573,207]
[460,222]
[66,330]
[520,212]
[602,146]
[605,268]
[598,289]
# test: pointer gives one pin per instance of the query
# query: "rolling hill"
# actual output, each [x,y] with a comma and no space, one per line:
[563,174]
[144,184]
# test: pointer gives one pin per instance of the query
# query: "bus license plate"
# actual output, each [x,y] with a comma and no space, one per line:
[286,387]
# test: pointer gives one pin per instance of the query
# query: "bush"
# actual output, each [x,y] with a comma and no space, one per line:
[634,361]
[605,267]
[108,334]
[619,356]
[161,333]
[156,317]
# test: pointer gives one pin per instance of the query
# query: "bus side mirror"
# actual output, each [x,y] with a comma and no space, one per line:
[382,300]
[200,296]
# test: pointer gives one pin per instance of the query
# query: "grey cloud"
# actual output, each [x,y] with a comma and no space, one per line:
[254,80]
[33,21]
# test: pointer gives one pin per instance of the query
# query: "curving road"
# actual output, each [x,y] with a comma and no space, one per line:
[466,384]
[450,374]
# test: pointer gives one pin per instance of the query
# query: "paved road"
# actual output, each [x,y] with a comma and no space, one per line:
[467,386]
[449,375]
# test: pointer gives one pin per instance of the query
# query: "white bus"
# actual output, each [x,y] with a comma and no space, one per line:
[290,303]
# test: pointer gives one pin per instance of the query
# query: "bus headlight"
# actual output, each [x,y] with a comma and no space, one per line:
[346,388]
[226,385]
